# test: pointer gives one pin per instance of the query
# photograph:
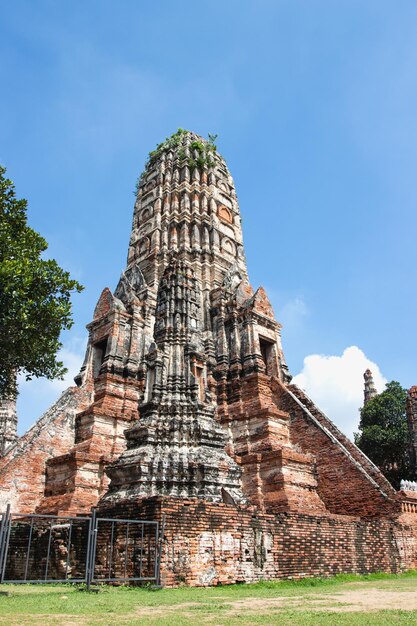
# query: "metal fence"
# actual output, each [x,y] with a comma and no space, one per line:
[54,548]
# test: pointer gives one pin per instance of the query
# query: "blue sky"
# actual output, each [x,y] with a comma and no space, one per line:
[315,106]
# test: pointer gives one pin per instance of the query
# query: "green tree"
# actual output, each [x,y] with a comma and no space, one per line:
[35,297]
[384,435]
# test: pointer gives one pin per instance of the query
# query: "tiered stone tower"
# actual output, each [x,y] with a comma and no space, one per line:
[177,448]
[369,391]
[182,355]
[190,394]
[186,251]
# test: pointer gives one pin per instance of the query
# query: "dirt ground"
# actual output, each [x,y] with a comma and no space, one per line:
[354,597]
[347,600]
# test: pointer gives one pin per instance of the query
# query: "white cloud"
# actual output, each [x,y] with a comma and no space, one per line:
[335,383]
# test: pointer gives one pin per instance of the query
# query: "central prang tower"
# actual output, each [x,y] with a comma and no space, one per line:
[184,364]
[186,262]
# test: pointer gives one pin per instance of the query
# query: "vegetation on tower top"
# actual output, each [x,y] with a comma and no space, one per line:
[170,143]
[200,152]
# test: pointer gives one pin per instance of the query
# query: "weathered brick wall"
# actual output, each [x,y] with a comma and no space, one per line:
[210,544]
[348,483]
[275,475]
[22,469]
[76,479]
[357,455]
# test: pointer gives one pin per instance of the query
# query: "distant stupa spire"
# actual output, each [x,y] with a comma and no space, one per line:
[370,389]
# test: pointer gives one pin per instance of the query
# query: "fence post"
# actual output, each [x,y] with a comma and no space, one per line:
[91,548]
[159,555]
[4,540]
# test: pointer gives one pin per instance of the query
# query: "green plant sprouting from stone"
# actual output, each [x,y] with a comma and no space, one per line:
[170,143]
[201,153]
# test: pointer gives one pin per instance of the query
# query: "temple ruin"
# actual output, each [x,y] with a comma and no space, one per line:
[184,408]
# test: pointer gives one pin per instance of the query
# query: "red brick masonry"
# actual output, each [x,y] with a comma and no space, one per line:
[211,544]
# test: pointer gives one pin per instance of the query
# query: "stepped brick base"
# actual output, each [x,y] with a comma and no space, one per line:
[213,544]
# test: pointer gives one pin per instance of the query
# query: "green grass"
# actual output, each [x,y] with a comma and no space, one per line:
[308,602]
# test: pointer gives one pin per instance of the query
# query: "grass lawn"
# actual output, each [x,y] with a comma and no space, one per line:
[377,599]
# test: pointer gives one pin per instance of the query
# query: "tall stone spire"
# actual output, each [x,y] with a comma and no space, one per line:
[180,349]
[186,264]
[369,389]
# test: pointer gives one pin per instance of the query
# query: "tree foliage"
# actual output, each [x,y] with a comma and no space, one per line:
[384,435]
[35,297]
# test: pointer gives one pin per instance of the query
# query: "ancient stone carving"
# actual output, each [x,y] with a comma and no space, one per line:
[130,283]
[176,447]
